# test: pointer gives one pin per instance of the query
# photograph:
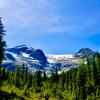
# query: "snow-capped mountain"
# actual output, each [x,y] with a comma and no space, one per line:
[35,59]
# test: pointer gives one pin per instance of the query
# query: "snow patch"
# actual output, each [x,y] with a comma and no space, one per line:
[13,54]
[25,55]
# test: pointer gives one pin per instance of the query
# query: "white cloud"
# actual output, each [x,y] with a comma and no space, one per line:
[25,13]
[42,15]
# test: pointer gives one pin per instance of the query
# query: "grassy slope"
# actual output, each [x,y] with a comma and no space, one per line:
[15,93]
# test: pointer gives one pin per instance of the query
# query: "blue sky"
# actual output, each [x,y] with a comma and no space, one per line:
[55,26]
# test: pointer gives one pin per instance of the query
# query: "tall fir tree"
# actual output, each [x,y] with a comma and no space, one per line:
[44,75]
[23,71]
[74,79]
[52,79]
[81,80]
[88,69]
[94,71]
[30,80]
[98,68]
[67,80]
[17,76]
[56,75]
[70,78]
[2,44]
[63,79]
[38,78]
[26,74]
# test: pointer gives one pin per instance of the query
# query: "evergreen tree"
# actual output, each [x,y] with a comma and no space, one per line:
[88,69]
[3,74]
[98,68]
[30,78]
[67,79]
[23,71]
[38,78]
[56,75]
[2,44]
[44,76]
[94,74]
[52,79]
[89,87]
[26,74]
[63,79]
[81,80]
[17,76]
[74,79]
[70,78]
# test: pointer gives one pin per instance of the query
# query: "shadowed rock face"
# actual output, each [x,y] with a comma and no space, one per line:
[35,58]
[85,52]
[39,55]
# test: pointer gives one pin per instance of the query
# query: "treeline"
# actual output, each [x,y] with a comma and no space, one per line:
[82,82]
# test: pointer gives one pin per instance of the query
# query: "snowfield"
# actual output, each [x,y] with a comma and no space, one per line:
[60,58]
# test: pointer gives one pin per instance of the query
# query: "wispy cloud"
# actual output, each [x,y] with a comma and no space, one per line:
[27,13]
[46,16]
[76,26]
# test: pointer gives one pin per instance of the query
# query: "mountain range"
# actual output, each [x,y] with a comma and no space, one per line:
[35,59]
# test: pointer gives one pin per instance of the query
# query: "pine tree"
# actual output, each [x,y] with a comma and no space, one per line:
[23,71]
[63,79]
[88,69]
[38,78]
[94,74]
[98,68]
[26,74]
[44,76]
[56,75]
[17,76]
[67,80]
[2,44]
[52,79]
[70,78]
[30,78]
[74,79]
[89,87]
[3,74]
[81,80]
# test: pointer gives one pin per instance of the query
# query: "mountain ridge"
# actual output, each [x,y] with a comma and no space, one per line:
[36,59]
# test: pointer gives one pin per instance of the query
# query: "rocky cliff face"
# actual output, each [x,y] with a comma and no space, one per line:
[85,52]
[34,58]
